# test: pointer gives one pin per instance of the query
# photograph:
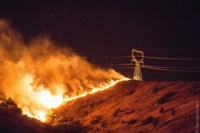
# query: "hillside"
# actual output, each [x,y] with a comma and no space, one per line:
[127,107]
[139,107]
[15,123]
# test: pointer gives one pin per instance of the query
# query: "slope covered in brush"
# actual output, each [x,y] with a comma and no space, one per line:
[132,106]
[128,106]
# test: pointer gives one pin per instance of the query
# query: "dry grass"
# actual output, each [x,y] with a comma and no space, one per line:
[128,106]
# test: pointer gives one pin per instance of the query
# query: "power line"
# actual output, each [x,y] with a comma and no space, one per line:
[180,68]
[152,57]
[176,69]
[183,68]
[161,50]
[164,58]
[173,50]
[156,66]
[161,69]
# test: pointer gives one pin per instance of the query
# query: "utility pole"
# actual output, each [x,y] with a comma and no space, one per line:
[138,60]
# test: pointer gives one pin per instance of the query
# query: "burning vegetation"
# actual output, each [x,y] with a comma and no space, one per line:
[40,75]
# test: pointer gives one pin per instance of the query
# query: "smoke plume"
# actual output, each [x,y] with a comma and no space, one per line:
[31,72]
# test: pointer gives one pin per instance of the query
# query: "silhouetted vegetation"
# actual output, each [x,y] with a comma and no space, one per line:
[156,89]
[116,112]
[10,104]
[162,110]
[95,120]
[52,118]
[140,132]
[69,119]
[148,120]
[103,124]
[129,112]
[173,111]
[165,98]
[130,92]
[68,128]
[155,121]
[131,121]
[151,119]
[123,122]
[94,104]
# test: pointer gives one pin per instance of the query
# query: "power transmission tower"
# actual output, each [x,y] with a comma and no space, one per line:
[137,58]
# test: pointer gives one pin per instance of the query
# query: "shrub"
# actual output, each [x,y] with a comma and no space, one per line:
[69,119]
[173,111]
[130,92]
[156,89]
[10,104]
[131,121]
[116,112]
[53,119]
[50,118]
[147,120]
[162,110]
[130,112]
[123,122]
[59,119]
[16,109]
[95,120]
[103,125]
[165,98]
[68,128]
[155,121]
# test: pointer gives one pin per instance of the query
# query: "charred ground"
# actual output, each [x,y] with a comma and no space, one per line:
[128,106]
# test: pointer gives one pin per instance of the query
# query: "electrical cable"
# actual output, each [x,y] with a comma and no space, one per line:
[173,50]
[161,50]
[181,68]
[176,69]
[162,68]
[164,58]
[150,57]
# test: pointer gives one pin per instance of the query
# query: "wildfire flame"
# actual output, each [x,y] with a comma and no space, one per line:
[40,75]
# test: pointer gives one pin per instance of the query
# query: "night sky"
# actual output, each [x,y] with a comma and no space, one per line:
[100,30]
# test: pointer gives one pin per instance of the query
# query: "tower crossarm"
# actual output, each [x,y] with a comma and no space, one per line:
[138,59]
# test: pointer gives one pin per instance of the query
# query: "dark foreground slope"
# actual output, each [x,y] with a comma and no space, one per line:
[11,122]
[136,107]
[127,107]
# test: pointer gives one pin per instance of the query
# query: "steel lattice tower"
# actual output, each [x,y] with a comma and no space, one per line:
[137,58]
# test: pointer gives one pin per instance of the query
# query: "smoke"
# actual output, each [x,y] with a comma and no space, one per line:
[39,69]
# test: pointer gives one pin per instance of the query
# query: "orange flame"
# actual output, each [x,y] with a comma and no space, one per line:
[51,101]
[42,75]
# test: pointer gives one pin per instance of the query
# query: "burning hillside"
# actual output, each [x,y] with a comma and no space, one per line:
[127,107]
[40,75]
